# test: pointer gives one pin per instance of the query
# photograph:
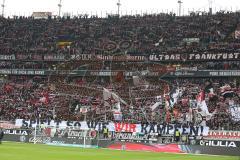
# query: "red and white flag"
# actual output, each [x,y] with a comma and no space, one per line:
[201,103]
[201,96]
[112,100]
[45,98]
[84,109]
[117,116]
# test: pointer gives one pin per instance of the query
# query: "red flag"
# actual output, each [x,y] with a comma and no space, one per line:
[8,88]
[119,77]
[201,96]
[45,98]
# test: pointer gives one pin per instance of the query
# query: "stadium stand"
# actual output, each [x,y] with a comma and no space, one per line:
[55,69]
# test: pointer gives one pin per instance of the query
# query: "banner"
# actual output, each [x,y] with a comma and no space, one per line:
[41,15]
[21,132]
[73,134]
[205,73]
[132,58]
[171,74]
[31,57]
[191,40]
[162,129]
[54,57]
[115,73]
[7,57]
[103,73]
[81,125]
[219,143]
[22,72]
[186,68]
[194,56]
[129,57]
[84,57]
[131,137]
[225,135]
[165,57]
[7,125]
[17,135]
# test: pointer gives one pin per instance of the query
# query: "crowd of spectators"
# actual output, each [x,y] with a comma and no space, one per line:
[28,38]
[55,98]
[49,43]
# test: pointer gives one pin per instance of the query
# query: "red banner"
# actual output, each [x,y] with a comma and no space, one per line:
[125,127]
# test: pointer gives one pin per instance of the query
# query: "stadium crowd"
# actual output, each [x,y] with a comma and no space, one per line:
[31,97]
[28,43]
[30,38]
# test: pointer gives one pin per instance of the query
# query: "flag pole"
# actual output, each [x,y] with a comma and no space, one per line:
[35,130]
[35,133]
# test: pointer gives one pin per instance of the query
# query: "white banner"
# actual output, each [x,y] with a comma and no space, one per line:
[163,129]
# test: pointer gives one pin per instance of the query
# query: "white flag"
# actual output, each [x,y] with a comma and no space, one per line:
[113,100]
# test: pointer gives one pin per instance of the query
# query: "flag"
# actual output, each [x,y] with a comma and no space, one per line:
[176,113]
[80,108]
[158,43]
[119,77]
[96,101]
[175,94]
[84,100]
[42,99]
[153,107]
[63,44]
[116,107]
[237,34]
[113,100]
[161,40]
[171,97]
[158,102]
[84,109]
[168,117]
[138,79]
[8,88]
[228,94]
[224,88]
[201,97]
[166,96]
[193,103]
[117,116]
[234,110]
[45,98]
[64,40]
[77,108]
[226,91]
[189,115]
[201,103]
[185,101]
[209,89]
